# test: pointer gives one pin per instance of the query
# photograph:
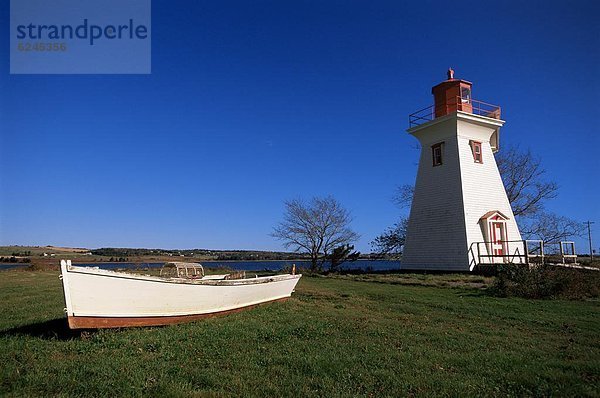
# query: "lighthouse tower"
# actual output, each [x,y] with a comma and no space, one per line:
[460,212]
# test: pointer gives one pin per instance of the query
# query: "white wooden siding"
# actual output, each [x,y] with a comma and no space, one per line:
[436,236]
[450,199]
[483,189]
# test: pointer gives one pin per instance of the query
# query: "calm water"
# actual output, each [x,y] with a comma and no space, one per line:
[5,266]
[365,265]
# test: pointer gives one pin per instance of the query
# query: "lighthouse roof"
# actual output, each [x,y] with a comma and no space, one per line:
[449,82]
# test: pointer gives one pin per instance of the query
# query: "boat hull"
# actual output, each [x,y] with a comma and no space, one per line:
[95,322]
[104,299]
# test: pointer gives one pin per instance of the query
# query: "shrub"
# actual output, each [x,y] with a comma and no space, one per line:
[546,282]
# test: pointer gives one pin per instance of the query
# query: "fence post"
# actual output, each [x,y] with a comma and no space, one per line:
[526,252]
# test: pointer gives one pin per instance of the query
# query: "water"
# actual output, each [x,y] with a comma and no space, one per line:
[4,266]
[365,265]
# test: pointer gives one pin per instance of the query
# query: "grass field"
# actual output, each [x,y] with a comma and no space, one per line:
[365,335]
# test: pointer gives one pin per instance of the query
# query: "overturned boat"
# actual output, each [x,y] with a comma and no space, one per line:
[97,298]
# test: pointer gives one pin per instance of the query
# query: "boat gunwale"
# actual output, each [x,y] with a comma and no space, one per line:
[181,281]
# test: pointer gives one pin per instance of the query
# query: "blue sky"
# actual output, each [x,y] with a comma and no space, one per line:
[252,103]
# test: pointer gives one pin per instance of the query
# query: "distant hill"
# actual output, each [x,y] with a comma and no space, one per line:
[222,255]
[39,250]
[126,254]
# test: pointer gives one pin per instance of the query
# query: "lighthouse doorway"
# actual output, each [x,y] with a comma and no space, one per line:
[498,239]
[493,224]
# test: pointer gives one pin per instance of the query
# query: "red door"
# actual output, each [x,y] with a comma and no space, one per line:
[498,238]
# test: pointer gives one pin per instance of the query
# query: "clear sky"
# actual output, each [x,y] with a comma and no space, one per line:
[250,103]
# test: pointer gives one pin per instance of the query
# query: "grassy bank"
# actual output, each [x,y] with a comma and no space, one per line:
[373,335]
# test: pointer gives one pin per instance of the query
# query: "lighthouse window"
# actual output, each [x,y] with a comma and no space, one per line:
[465,94]
[476,149]
[436,154]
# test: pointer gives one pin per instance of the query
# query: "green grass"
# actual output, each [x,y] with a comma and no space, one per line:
[365,335]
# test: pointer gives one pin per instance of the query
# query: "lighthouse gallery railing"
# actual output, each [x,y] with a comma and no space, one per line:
[461,104]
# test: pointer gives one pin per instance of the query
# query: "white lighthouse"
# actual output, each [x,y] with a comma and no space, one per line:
[460,212]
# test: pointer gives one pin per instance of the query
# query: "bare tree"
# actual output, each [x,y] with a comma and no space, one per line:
[527,191]
[316,228]
[403,196]
[391,241]
[550,228]
[523,178]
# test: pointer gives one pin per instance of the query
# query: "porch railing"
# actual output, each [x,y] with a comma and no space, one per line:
[528,252]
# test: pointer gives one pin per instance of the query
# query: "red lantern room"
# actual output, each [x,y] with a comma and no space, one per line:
[452,95]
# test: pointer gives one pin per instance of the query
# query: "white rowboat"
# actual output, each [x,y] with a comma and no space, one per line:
[97,298]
